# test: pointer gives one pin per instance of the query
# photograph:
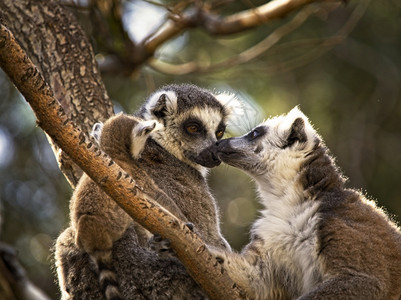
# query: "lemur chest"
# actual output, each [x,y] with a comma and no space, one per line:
[290,240]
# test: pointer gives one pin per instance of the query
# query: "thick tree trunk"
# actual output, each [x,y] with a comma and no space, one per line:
[60,49]
[53,39]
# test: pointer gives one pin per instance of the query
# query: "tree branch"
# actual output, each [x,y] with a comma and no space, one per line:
[14,283]
[111,178]
[245,56]
[318,46]
[218,25]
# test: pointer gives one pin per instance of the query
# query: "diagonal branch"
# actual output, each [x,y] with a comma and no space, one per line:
[245,56]
[111,178]
[318,46]
[185,16]
[217,25]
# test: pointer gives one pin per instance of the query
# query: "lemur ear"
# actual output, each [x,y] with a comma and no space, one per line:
[96,131]
[297,133]
[231,103]
[160,108]
[235,111]
[145,128]
[161,103]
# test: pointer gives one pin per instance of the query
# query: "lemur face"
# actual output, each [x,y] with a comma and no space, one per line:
[276,145]
[194,120]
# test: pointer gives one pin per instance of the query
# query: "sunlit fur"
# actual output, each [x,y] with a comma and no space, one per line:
[97,220]
[215,111]
[181,146]
[140,134]
[314,239]
[166,166]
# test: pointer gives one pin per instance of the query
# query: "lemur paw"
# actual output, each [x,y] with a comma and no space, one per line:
[190,226]
[161,246]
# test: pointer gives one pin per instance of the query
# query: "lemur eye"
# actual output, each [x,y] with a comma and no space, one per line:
[219,134]
[257,132]
[253,134]
[192,129]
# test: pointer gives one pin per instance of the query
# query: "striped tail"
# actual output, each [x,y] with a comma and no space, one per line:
[108,279]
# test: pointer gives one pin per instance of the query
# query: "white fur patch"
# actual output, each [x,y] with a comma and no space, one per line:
[234,107]
[97,131]
[281,125]
[290,235]
[288,225]
[139,137]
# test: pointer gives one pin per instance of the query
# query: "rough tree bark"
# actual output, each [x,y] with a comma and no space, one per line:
[114,181]
[51,36]
[58,46]
[60,49]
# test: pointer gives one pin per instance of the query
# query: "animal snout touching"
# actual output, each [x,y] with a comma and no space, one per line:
[208,157]
[222,146]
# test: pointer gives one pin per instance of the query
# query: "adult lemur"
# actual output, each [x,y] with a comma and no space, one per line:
[171,168]
[315,239]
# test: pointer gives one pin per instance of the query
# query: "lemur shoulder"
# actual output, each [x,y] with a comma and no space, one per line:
[170,167]
[315,239]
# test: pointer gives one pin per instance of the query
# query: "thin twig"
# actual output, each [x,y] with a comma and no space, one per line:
[243,57]
[215,24]
[324,45]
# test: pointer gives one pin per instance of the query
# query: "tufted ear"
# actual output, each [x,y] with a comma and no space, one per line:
[140,133]
[96,131]
[231,103]
[297,133]
[144,128]
[160,104]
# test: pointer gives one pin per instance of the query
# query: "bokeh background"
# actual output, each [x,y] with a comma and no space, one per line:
[345,76]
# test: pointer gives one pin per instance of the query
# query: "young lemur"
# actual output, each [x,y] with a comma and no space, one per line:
[315,239]
[170,168]
[97,220]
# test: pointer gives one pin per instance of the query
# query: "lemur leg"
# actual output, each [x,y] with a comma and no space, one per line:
[349,286]
[97,240]
[162,246]
[93,236]
[241,269]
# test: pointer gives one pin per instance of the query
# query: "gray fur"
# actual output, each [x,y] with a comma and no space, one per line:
[168,169]
[315,238]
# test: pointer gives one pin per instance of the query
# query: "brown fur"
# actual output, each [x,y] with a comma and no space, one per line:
[316,239]
[99,222]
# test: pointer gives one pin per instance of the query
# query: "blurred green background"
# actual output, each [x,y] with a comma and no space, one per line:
[349,88]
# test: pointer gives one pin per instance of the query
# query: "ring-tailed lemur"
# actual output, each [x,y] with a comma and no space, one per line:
[173,160]
[97,220]
[316,239]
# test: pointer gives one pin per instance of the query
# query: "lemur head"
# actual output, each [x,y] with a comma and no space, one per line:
[124,135]
[276,147]
[194,120]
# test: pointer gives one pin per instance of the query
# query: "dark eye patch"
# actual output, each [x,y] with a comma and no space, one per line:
[193,126]
[256,133]
[220,131]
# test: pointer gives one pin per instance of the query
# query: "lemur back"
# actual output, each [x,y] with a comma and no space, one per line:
[97,220]
[316,239]
[170,169]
